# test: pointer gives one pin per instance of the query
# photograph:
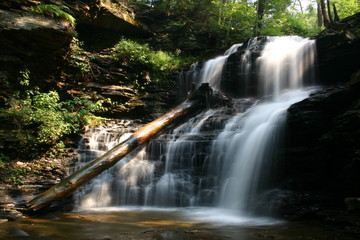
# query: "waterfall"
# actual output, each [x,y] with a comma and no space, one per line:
[221,157]
[285,63]
[211,73]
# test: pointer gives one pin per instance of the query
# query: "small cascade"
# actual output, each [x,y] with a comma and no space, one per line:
[222,157]
[285,64]
[98,140]
[213,69]
[95,142]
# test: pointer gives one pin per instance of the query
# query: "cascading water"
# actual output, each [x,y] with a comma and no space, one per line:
[220,157]
[211,73]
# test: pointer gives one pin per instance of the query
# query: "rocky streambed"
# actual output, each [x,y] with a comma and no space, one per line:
[177,224]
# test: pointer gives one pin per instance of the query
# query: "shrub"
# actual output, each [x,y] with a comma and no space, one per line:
[78,58]
[133,53]
[40,119]
[37,118]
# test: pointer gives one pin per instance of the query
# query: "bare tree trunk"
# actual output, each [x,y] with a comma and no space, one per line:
[260,16]
[324,14]
[319,15]
[331,21]
[336,16]
[61,190]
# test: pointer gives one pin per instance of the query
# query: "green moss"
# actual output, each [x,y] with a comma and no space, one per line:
[55,11]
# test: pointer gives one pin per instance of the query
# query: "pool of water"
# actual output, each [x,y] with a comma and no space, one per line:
[177,224]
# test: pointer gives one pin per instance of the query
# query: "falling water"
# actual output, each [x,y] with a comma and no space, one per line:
[221,157]
[211,73]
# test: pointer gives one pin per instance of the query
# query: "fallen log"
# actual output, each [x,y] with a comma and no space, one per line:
[63,189]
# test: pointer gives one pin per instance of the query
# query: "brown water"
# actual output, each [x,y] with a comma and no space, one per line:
[153,224]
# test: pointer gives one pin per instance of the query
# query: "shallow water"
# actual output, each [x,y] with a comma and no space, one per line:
[177,224]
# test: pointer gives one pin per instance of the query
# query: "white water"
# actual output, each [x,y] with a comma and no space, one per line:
[284,64]
[248,141]
[220,158]
[213,68]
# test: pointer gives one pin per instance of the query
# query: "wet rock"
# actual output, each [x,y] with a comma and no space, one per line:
[235,81]
[10,214]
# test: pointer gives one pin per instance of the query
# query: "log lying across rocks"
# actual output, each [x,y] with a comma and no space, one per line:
[195,101]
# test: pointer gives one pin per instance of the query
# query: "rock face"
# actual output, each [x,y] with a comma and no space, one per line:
[321,156]
[100,24]
[33,43]
[338,51]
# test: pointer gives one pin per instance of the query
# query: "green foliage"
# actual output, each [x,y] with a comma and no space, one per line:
[158,63]
[288,25]
[40,119]
[37,117]
[163,61]
[237,19]
[131,52]
[284,17]
[55,11]
[79,112]
[11,174]
[3,159]
[234,21]
[24,77]
[346,8]
[78,59]
[303,23]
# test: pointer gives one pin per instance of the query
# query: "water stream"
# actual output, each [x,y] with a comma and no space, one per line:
[218,162]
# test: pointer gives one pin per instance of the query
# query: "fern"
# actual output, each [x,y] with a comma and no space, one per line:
[55,10]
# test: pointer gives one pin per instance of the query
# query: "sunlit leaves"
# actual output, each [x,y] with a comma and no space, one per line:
[347,8]
[41,118]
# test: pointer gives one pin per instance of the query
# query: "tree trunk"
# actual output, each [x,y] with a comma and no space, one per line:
[336,16]
[61,190]
[324,13]
[260,11]
[319,15]
[329,12]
